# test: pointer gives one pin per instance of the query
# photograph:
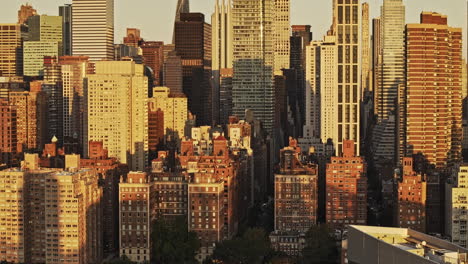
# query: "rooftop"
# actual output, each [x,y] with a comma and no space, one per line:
[430,248]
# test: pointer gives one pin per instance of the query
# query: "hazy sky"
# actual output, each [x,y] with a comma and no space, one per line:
[155,17]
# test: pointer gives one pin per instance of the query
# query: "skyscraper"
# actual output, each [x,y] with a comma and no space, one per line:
[193,45]
[65,12]
[432,105]
[116,103]
[254,60]
[389,69]
[93,29]
[321,94]
[11,49]
[376,58]
[183,6]
[221,35]
[347,29]
[222,45]
[281,34]
[366,55]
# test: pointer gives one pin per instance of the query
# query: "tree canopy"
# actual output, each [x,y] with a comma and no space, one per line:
[320,247]
[252,248]
[173,243]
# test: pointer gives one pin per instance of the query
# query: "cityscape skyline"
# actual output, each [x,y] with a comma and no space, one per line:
[258,131]
[301,14]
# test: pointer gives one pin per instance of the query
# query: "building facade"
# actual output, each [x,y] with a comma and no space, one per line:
[347,29]
[93,29]
[346,188]
[432,101]
[134,217]
[411,209]
[11,49]
[253,60]
[193,45]
[116,99]
[282,32]
[459,215]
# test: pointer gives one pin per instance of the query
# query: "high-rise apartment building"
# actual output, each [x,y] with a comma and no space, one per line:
[153,57]
[411,200]
[281,34]
[432,109]
[134,217]
[25,12]
[75,236]
[65,12]
[193,45]
[31,119]
[13,240]
[366,50]
[346,185]
[347,16]
[174,108]
[93,29]
[116,103]
[296,198]
[253,60]
[459,210]
[321,93]
[11,49]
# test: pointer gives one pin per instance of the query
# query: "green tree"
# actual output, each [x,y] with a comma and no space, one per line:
[173,243]
[252,248]
[320,247]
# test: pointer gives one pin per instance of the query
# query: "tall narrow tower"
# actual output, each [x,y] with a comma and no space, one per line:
[282,32]
[93,29]
[347,28]
[221,43]
[183,6]
[254,60]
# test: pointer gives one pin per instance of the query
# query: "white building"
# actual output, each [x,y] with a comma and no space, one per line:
[321,92]
[93,29]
